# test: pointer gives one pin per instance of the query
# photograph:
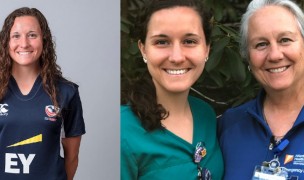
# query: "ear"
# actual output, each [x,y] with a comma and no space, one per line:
[141,47]
[207,50]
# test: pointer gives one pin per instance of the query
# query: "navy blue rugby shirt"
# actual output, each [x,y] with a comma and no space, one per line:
[245,138]
[30,131]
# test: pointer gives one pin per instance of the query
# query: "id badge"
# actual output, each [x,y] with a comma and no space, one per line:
[270,171]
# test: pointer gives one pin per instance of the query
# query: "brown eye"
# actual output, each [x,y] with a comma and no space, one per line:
[190,41]
[15,36]
[161,42]
[32,35]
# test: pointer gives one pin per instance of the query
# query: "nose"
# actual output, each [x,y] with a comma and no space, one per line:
[24,42]
[275,52]
[176,55]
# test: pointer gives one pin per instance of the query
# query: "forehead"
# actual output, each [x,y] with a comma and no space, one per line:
[272,14]
[25,23]
[174,17]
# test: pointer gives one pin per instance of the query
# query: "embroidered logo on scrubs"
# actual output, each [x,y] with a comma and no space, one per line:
[3,109]
[51,111]
[288,158]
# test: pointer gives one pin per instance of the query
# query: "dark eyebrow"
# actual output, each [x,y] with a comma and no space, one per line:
[165,36]
[159,35]
[191,34]
[16,32]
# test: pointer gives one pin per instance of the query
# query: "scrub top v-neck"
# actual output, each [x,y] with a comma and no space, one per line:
[161,154]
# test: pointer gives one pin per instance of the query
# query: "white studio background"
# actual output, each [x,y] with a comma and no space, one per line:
[87,37]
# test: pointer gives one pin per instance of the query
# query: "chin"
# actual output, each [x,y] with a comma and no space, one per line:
[178,90]
[279,87]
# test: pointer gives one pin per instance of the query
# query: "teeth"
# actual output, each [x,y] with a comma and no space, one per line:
[24,53]
[176,72]
[278,70]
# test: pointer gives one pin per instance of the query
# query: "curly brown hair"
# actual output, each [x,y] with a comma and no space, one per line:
[50,71]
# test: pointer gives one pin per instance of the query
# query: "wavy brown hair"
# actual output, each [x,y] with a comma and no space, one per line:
[50,71]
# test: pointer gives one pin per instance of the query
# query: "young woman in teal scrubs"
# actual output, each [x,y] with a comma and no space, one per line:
[165,133]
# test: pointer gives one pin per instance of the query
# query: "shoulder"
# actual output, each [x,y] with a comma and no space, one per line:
[66,84]
[125,111]
[68,93]
[238,110]
[130,125]
[128,119]
[236,115]
[66,87]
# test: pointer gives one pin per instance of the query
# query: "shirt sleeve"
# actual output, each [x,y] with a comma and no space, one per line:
[73,122]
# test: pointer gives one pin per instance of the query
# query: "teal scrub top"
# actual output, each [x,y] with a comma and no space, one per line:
[162,155]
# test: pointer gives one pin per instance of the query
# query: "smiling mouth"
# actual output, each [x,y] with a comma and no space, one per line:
[278,70]
[24,53]
[176,71]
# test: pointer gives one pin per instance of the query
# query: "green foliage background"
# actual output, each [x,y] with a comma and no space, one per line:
[226,81]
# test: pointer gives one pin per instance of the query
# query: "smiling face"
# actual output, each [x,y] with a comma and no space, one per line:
[25,44]
[276,49]
[175,49]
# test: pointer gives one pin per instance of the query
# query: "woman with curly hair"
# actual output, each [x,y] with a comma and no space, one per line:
[40,111]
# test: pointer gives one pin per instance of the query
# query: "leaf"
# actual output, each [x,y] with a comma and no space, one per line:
[125,25]
[218,13]
[224,70]
[248,79]
[216,53]
[215,76]
[125,21]
[218,46]
[236,65]
[216,31]
[133,49]
[229,30]
[124,28]
[213,61]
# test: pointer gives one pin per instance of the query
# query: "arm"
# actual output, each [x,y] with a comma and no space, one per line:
[71,150]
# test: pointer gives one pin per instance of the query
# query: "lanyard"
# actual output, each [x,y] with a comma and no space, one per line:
[279,147]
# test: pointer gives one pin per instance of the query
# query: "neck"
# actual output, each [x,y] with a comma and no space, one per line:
[285,100]
[25,78]
[180,120]
[25,72]
[175,103]
[281,111]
